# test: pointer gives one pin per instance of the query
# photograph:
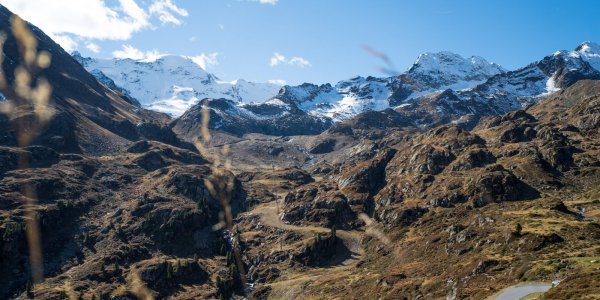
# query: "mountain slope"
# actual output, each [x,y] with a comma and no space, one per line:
[272,117]
[87,115]
[172,84]
[590,52]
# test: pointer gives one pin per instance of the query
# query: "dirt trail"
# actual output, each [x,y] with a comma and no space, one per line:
[269,217]
[290,285]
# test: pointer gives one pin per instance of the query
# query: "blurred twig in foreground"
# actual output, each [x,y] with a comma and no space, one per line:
[220,185]
[27,92]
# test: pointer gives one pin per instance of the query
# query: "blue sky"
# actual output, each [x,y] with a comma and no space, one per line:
[321,40]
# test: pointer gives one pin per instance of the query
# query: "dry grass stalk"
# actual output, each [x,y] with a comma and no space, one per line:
[220,185]
[27,92]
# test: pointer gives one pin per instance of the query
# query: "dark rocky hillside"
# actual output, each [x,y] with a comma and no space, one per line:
[102,219]
[88,117]
[270,118]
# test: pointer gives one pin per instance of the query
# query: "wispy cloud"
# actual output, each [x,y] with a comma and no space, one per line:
[276,59]
[128,51]
[299,61]
[277,81]
[279,59]
[93,47]
[270,2]
[167,12]
[206,60]
[70,22]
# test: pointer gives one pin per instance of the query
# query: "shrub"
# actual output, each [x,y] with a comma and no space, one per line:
[13,230]
[518,229]
[169,270]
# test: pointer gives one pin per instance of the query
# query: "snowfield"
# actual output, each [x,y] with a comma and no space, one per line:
[172,84]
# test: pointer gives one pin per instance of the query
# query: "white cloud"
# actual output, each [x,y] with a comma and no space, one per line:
[277,81]
[128,51]
[205,60]
[299,61]
[166,11]
[272,2]
[192,38]
[93,47]
[65,41]
[93,19]
[278,59]
[221,26]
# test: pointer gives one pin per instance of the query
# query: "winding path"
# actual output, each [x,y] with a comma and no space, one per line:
[290,285]
[520,291]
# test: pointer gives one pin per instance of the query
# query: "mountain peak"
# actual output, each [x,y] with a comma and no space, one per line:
[450,61]
[588,46]
[446,69]
[437,58]
[589,52]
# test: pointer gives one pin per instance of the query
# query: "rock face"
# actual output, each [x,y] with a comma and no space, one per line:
[272,117]
[320,204]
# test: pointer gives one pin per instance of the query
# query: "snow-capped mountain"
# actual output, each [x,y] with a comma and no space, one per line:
[430,72]
[524,86]
[438,88]
[507,91]
[445,70]
[171,84]
[342,101]
[272,117]
[589,52]
[445,87]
